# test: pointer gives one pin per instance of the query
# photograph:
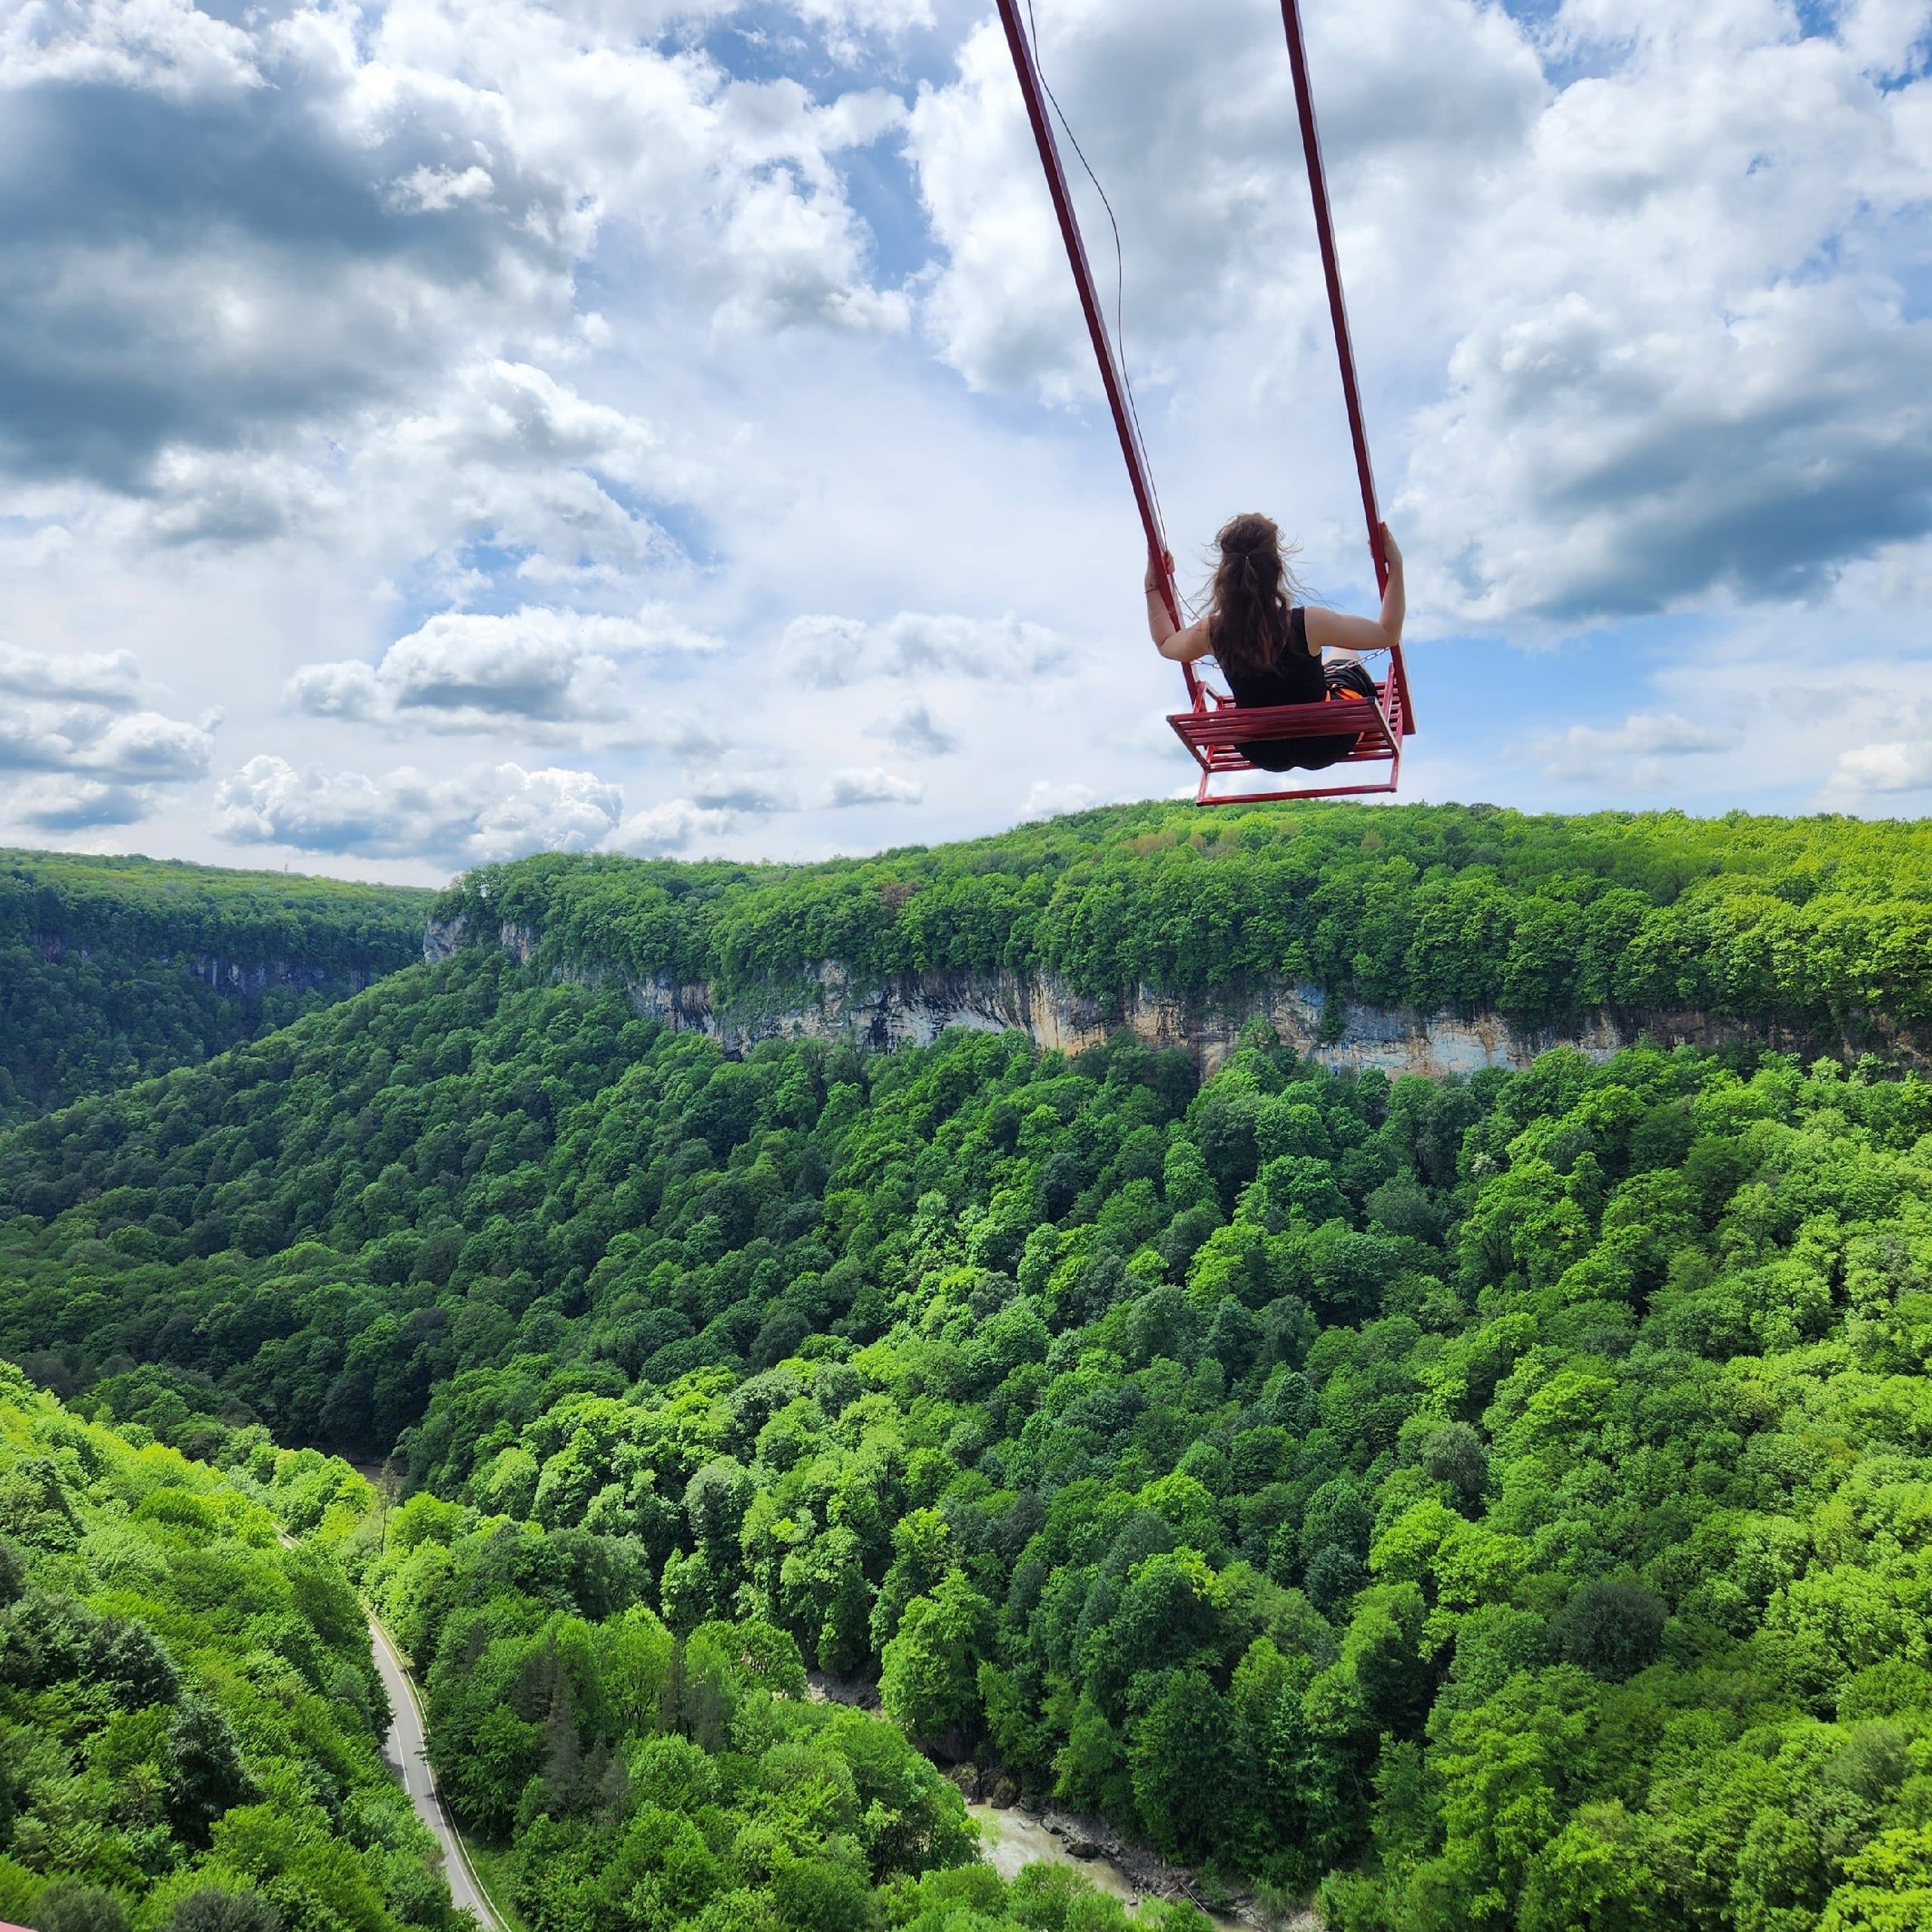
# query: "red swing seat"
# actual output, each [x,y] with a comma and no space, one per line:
[1213,728]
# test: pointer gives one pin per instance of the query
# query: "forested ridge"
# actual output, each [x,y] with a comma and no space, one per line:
[1823,924]
[1486,1503]
[113,969]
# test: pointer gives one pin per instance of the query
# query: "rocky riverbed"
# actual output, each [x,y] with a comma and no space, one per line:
[1020,1833]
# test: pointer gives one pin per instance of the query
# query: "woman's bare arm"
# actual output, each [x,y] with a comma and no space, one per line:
[1335,630]
[1182,643]
[1189,645]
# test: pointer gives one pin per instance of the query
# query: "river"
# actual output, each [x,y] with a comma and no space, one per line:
[1015,1838]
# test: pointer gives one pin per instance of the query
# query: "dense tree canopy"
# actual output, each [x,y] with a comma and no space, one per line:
[1492,1503]
[189,1718]
[1814,923]
[114,969]
[643,1777]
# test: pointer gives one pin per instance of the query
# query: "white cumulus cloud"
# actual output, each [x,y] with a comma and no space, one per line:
[1635,752]
[95,761]
[742,788]
[863,785]
[494,812]
[1204,169]
[913,728]
[109,678]
[1888,766]
[77,804]
[1053,798]
[829,652]
[468,671]
[676,827]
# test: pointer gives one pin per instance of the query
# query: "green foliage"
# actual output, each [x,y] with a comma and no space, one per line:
[189,1716]
[640,1780]
[1611,1627]
[1496,1503]
[1817,921]
[930,1679]
[112,970]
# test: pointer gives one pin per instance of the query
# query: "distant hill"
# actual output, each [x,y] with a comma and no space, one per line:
[1814,934]
[115,969]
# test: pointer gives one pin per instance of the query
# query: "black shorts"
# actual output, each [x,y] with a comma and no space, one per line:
[1347,677]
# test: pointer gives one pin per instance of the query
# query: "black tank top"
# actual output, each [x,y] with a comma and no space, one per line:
[1296,677]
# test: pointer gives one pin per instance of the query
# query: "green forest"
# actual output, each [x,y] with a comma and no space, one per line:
[1823,924]
[189,1719]
[1487,1505]
[112,970]
[642,1776]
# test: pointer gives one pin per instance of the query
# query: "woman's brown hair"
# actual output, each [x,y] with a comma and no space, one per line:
[1252,587]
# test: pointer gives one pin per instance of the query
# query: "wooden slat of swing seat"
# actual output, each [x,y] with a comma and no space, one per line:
[1215,737]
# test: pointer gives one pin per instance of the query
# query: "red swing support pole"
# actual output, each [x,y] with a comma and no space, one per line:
[1111,380]
[1338,313]
[1214,735]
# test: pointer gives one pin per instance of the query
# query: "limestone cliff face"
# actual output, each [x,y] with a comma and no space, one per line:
[241,979]
[916,1010]
[249,979]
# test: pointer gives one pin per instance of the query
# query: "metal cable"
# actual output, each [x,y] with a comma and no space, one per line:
[1120,273]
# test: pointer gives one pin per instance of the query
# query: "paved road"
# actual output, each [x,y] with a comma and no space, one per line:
[408,1758]
[403,1749]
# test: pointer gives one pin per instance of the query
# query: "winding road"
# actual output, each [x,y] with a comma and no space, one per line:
[405,1750]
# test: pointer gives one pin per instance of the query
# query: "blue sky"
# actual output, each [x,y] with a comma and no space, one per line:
[430,432]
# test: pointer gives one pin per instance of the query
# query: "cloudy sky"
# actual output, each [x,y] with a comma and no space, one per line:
[436,430]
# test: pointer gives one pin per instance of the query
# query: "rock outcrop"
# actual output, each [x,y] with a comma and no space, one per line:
[916,1011]
[241,979]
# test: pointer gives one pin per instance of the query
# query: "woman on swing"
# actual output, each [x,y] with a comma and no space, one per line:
[1270,647]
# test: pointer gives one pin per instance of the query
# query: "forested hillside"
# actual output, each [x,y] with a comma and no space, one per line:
[189,1718]
[642,1778]
[112,970]
[1823,925]
[1487,1504]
